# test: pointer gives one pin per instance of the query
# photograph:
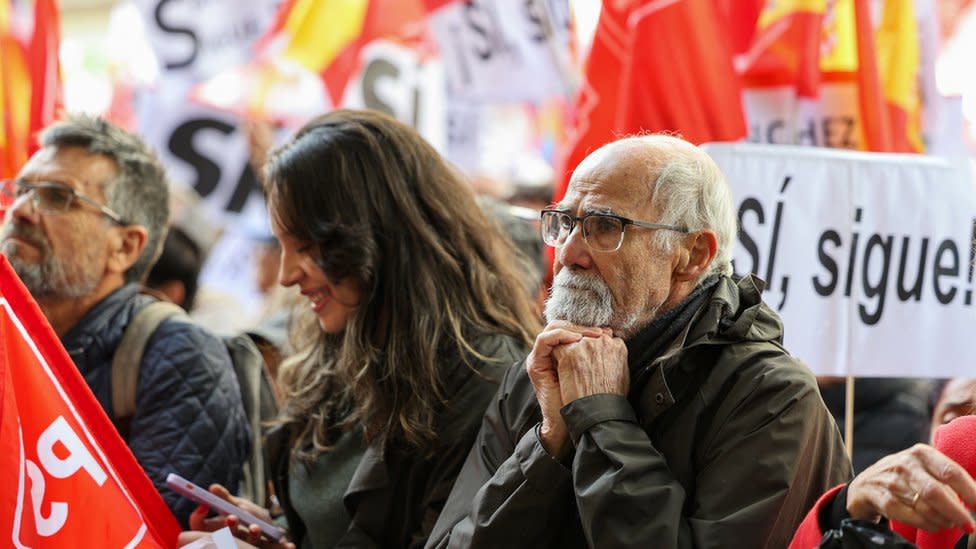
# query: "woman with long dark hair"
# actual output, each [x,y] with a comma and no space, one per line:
[416,313]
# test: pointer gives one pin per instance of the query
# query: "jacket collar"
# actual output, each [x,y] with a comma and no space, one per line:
[734,313]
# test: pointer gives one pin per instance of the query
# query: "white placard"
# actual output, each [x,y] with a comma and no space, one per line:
[504,50]
[867,256]
[196,39]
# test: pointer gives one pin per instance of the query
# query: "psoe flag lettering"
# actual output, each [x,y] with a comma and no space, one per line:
[62,464]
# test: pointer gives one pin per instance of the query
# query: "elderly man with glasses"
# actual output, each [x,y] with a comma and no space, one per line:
[85,220]
[658,407]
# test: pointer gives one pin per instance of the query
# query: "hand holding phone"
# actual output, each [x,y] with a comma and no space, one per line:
[195,493]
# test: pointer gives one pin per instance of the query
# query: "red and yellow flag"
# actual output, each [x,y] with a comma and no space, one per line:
[813,45]
[326,36]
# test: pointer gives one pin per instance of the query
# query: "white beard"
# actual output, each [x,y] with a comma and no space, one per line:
[586,300]
[580,299]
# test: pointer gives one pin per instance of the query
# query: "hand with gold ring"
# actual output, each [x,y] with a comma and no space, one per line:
[919,487]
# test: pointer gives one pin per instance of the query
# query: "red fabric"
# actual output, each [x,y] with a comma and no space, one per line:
[809,534]
[656,65]
[82,485]
[957,440]
[787,53]
[874,114]
[45,70]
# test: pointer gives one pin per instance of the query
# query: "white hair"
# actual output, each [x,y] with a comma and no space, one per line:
[689,190]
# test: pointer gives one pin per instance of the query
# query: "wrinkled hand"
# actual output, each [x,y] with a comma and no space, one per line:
[542,369]
[889,487]
[592,366]
[251,534]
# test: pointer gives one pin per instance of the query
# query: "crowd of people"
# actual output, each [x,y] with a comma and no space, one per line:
[425,397]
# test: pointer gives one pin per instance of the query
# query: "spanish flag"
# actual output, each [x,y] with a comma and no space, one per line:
[326,36]
[808,44]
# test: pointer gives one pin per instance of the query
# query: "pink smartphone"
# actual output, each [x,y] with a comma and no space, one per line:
[195,493]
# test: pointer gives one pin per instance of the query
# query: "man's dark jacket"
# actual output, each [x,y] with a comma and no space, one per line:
[728,444]
[189,418]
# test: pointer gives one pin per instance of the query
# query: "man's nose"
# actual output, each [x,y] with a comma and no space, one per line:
[23,209]
[575,252]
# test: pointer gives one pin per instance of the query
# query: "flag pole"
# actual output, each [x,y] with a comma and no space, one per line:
[849,417]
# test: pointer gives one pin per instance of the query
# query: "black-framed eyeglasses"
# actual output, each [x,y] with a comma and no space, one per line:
[601,232]
[52,198]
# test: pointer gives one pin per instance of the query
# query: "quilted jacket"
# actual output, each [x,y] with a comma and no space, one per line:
[189,418]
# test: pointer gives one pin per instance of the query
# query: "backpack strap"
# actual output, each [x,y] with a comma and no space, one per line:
[128,358]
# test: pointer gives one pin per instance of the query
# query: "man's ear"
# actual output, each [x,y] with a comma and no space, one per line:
[700,250]
[127,246]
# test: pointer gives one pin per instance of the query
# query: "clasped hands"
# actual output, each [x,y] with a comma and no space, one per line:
[569,362]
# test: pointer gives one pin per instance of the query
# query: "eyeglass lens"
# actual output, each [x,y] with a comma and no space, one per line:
[47,198]
[602,233]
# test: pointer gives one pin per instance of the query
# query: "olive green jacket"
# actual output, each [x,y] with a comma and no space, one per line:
[395,495]
[727,444]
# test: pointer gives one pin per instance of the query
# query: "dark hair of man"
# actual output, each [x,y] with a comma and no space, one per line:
[181,260]
[387,210]
[139,193]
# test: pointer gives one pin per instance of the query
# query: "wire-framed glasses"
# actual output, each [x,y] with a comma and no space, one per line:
[601,232]
[51,198]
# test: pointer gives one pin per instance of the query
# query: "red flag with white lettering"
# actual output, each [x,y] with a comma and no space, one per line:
[69,480]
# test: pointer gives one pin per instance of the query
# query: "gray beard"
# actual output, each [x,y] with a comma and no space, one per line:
[579,299]
[48,279]
[587,301]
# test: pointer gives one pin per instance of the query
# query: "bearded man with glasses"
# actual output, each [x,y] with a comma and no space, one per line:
[85,220]
[658,407]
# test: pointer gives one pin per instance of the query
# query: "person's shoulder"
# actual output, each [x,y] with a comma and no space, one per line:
[187,345]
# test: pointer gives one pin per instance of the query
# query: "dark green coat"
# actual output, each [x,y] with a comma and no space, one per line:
[395,496]
[727,445]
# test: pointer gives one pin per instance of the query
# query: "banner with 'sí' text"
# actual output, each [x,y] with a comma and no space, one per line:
[868,257]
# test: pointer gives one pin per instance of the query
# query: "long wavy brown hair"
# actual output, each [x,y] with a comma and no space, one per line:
[386,209]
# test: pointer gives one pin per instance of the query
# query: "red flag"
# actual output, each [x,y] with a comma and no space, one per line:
[69,480]
[657,65]
[45,69]
[30,80]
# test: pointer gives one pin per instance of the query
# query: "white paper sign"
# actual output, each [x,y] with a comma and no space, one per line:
[504,50]
[199,38]
[867,256]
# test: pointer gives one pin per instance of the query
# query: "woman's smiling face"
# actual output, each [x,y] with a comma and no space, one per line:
[334,304]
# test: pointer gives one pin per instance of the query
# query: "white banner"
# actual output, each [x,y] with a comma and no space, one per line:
[197,39]
[868,257]
[503,50]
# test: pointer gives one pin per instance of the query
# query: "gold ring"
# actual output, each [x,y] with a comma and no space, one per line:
[915,499]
